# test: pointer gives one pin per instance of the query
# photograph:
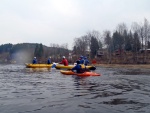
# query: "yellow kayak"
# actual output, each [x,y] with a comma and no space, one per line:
[59,66]
[67,72]
[38,65]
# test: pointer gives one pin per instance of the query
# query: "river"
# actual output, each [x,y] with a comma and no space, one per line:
[25,90]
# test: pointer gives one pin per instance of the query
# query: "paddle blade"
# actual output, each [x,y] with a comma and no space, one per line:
[92,68]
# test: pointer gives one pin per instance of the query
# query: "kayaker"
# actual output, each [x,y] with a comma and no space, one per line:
[81,59]
[64,61]
[94,61]
[77,67]
[54,65]
[86,61]
[49,60]
[34,60]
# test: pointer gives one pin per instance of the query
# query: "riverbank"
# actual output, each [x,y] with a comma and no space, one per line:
[133,66]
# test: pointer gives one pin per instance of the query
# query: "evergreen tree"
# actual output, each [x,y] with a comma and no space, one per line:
[41,51]
[94,46]
[36,50]
[136,42]
[118,40]
[128,41]
[5,48]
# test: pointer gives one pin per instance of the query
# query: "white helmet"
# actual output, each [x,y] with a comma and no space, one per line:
[34,57]
[63,56]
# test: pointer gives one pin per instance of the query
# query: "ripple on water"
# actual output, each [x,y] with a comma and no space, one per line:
[42,91]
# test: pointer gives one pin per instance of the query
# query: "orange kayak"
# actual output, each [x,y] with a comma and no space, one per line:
[79,74]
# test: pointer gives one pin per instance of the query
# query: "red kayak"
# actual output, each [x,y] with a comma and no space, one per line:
[79,74]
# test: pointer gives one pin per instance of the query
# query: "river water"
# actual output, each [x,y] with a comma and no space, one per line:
[25,90]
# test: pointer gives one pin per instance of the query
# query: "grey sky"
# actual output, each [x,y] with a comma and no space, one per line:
[60,21]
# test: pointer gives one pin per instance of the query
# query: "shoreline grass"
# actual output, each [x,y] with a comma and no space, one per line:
[133,66]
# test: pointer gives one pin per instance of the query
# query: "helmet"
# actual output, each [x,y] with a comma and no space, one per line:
[85,57]
[63,56]
[50,57]
[81,56]
[34,57]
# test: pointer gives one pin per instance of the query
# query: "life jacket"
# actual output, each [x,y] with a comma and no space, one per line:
[65,62]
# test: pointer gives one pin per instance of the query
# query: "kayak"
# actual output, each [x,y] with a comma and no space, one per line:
[59,66]
[38,65]
[87,73]
[65,72]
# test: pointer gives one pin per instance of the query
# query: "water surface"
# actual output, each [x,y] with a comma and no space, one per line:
[25,90]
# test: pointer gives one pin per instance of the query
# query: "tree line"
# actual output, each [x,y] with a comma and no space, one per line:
[24,52]
[128,45]
[125,41]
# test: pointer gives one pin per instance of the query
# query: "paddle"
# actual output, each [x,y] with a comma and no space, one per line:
[93,65]
[92,68]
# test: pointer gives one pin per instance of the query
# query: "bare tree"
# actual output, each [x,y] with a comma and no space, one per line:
[97,37]
[121,28]
[94,34]
[81,45]
[146,33]
[143,31]
[65,46]
[135,27]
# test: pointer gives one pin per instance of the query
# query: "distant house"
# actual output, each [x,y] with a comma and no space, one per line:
[100,52]
[119,51]
[144,50]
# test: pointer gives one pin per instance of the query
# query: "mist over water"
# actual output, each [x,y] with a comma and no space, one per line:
[25,90]
[22,57]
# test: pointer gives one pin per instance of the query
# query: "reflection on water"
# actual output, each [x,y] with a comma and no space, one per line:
[25,90]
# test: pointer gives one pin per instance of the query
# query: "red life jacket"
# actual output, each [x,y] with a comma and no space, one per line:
[65,62]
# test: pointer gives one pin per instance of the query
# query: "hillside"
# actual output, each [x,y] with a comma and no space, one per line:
[24,52]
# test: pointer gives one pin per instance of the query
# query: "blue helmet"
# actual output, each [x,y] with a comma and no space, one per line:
[81,56]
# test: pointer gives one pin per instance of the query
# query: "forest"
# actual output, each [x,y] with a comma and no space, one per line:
[122,46]
[24,52]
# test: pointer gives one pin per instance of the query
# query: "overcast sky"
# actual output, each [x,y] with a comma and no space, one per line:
[60,21]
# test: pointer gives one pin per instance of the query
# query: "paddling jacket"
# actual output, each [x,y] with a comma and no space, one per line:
[82,61]
[64,61]
[77,68]
[86,62]
[34,61]
[49,61]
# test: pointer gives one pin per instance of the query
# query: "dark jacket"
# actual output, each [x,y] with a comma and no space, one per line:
[49,61]
[77,68]
[86,62]
[81,61]
[34,61]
